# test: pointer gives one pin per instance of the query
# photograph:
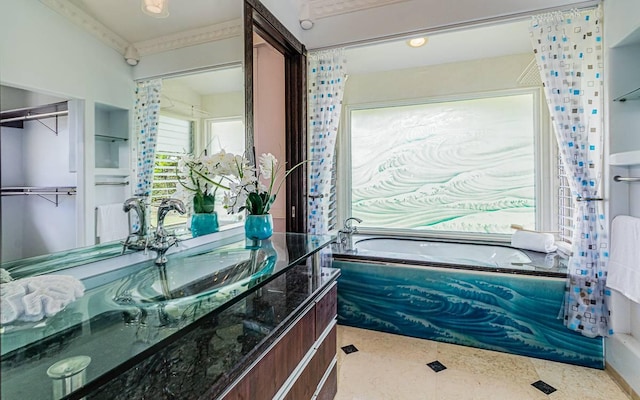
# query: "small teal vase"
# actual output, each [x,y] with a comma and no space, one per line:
[258,227]
[204,224]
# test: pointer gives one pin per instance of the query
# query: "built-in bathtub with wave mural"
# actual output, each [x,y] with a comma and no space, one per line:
[506,300]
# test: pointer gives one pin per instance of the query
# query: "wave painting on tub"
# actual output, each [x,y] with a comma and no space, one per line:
[465,165]
[510,313]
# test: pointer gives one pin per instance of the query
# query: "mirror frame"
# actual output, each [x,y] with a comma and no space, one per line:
[257,17]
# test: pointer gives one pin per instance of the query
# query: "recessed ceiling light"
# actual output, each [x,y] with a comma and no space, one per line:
[417,42]
[156,8]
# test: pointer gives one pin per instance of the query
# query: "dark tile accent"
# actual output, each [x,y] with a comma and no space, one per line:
[349,349]
[543,387]
[436,366]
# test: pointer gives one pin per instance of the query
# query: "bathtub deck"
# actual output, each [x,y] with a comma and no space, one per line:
[388,366]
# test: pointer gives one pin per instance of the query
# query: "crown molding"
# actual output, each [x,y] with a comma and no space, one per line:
[192,37]
[88,23]
[327,8]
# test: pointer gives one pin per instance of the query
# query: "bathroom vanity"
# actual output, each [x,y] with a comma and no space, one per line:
[230,319]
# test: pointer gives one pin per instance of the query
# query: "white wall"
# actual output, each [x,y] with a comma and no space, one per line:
[43,52]
[222,52]
[269,117]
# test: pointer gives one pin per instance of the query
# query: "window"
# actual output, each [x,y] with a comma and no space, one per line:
[175,138]
[465,165]
[565,206]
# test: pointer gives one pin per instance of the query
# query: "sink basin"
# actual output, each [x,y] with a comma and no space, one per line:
[196,282]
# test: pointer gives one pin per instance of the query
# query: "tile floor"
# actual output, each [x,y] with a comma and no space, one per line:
[393,367]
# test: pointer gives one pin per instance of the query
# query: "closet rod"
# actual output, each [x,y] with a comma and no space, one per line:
[40,192]
[34,116]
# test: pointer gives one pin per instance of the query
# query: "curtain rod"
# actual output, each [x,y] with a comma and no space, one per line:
[457,26]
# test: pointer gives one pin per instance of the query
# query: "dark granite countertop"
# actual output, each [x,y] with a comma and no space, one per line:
[220,306]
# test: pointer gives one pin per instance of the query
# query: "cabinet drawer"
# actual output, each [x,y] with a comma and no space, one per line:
[326,309]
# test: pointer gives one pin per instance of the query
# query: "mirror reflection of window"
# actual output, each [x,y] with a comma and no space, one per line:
[175,137]
[226,134]
[200,112]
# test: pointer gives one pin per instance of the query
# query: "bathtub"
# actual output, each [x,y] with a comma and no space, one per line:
[505,300]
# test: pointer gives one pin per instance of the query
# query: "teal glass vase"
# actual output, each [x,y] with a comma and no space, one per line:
[204,224]
[258,227]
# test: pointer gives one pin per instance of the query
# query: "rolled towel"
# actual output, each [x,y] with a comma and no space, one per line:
[11,306]
[536,241]
[32,299]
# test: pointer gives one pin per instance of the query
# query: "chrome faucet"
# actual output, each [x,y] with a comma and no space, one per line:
[163,240]
[137,240]
[345,235]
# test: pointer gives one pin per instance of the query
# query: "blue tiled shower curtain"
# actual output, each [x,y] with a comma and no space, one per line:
[147,115]
[326,75]
[569,52]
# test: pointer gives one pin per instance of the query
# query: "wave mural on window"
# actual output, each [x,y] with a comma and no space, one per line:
[464,165]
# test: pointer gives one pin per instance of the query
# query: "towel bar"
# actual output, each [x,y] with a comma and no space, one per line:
[619,178]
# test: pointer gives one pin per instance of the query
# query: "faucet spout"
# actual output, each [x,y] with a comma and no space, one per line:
[163,240]
[136,239]
[345,235]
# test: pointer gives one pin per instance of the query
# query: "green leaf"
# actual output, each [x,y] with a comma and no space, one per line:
[255,204]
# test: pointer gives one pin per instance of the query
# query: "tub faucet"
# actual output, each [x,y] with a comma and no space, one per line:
[345,235]
[163,240]
[136,240]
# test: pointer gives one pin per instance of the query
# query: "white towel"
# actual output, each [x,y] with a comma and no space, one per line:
[624,259]
[112,223]
[536,241]
[32,299]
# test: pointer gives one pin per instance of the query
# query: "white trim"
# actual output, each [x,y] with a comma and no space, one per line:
[191,37]
[160,44]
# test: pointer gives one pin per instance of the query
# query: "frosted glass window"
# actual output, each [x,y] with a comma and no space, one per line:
[227,135]
[465,165]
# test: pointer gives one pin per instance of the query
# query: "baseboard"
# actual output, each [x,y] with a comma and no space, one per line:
[624,385]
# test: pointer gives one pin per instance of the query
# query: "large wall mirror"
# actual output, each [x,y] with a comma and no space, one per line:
[55,61]
[213,91]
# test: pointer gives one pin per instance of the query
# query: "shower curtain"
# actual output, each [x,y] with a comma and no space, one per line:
[569,52]
[326,79]
[147,114]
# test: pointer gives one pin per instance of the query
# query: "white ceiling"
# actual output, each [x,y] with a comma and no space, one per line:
[127,23]
[126,19]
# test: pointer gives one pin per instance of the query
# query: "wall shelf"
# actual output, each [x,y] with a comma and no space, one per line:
[16,118]
[633,95]
[626,159]
[112,172]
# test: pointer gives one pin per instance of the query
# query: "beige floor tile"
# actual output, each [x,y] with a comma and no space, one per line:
[574,382]
[487,363]
[393,367]
[464,385]
[388,345]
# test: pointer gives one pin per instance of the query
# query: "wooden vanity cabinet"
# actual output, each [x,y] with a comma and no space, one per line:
[301,364]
